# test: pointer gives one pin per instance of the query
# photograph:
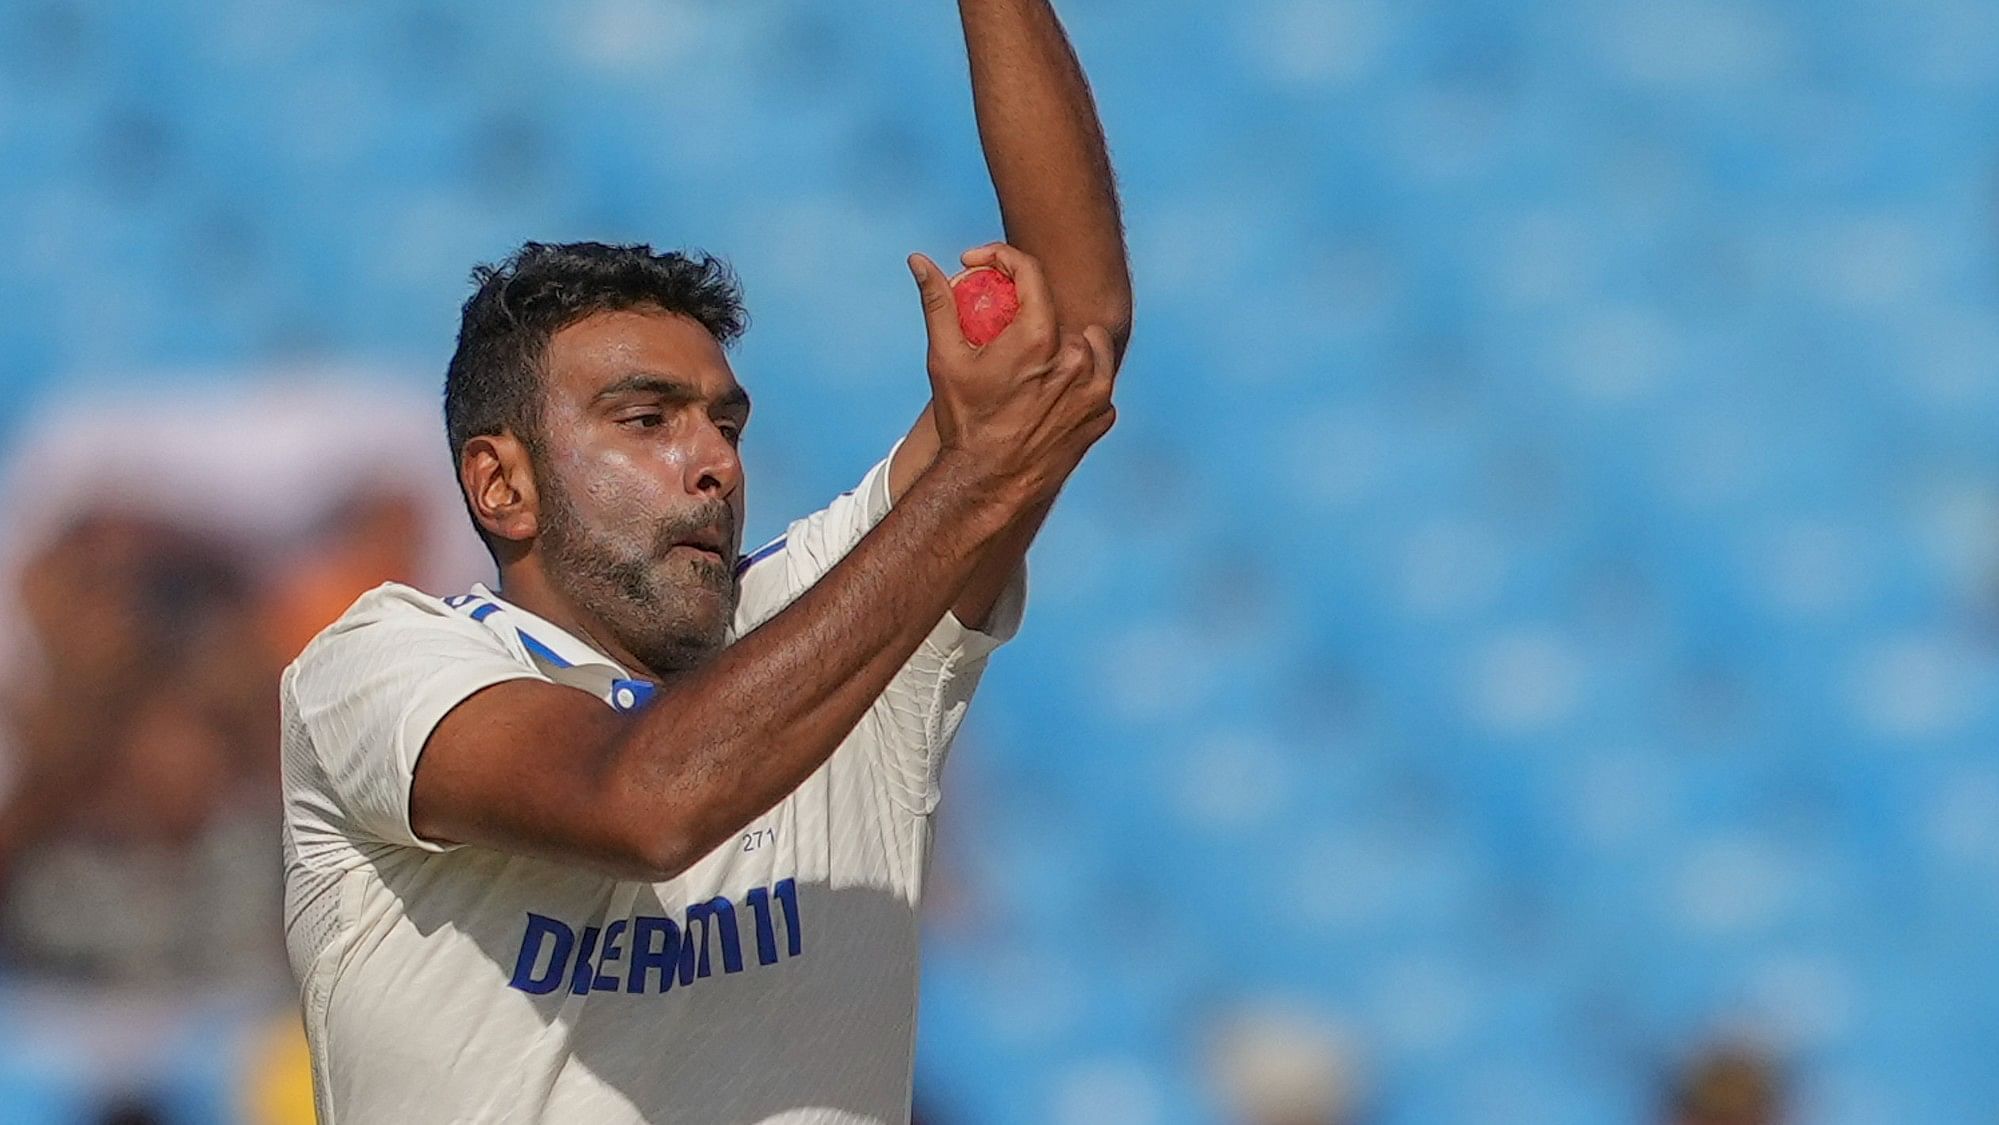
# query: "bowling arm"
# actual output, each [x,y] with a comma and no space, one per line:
[1058,201]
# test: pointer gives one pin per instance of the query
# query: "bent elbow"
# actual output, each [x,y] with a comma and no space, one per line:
[1113,311]
[662,857]
[1120,329]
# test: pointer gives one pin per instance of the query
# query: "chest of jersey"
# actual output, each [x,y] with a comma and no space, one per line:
[775,892]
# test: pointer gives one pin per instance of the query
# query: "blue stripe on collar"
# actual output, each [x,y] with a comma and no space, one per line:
[479,609]
[542,650]
[627,696]
[760,554]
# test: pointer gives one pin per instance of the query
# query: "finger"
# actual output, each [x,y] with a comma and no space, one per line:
[981,255]
[940,310]
[1037,304]
[1104,351]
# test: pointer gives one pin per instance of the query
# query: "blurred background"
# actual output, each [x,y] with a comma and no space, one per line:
[1527,653]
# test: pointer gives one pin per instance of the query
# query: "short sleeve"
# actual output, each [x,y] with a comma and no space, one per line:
[368,692]
[954,640]
[918,717]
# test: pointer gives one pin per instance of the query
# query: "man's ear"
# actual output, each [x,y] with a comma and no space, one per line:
[498,478]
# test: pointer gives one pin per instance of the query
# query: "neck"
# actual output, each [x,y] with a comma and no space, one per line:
[526,586]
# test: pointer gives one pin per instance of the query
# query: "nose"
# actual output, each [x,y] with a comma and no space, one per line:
[715,467]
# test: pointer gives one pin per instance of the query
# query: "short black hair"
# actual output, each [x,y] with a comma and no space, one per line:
[493,384]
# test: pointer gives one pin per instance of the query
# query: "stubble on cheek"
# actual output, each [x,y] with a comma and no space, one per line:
[627,541]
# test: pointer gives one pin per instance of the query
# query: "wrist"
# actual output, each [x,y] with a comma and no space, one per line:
[982,495]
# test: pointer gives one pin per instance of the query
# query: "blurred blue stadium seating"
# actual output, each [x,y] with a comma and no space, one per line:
[1536,609]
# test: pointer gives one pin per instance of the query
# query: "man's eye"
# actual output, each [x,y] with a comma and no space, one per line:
[734,434]
[643,421]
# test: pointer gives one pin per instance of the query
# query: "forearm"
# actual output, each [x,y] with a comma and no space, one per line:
[1050,167]
[773,707]
[981,596]
[1051,172]
[975,603]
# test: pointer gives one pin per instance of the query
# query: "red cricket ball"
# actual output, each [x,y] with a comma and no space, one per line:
[987,302]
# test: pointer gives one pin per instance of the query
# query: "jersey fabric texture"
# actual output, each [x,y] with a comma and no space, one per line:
[775,980]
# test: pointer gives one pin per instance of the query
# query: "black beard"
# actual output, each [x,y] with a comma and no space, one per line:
[632,596]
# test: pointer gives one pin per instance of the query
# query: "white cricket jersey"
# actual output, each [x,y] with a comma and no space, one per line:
[775,980]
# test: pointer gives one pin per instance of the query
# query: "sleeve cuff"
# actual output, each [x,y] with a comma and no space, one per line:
[952,637]
[873,489]
[438,699]
[962,643]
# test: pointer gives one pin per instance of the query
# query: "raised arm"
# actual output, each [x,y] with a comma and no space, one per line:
[1058,201]
[1045,150]
[532,767]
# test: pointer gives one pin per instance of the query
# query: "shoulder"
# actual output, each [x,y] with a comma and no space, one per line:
[391,602]
[360,702]
[769,577]
[394,623]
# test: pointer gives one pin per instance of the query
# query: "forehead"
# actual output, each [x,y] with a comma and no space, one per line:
[588,355]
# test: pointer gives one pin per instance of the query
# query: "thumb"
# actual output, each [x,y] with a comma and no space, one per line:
[940,307]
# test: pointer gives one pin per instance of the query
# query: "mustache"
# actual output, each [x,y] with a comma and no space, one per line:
[712,520]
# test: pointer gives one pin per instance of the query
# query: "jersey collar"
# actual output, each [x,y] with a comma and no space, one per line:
[547,643]
[565,657]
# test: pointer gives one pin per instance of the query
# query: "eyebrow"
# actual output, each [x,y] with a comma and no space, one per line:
[667,387]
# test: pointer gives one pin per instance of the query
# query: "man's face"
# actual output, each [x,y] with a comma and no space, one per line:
[641,489]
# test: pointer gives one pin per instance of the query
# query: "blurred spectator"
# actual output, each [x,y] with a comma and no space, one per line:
[1278,1066]
[1727,1084]
[311,483]
[152,592]
[375,536]
[1597,400]
[144,771]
